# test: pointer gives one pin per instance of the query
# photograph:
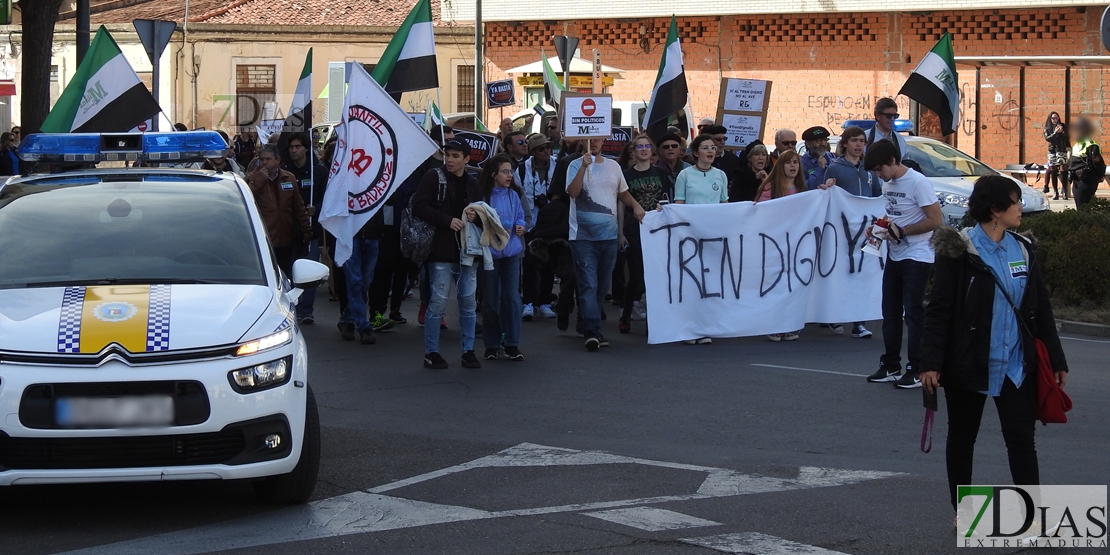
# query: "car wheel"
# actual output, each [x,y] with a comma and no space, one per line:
[296,487]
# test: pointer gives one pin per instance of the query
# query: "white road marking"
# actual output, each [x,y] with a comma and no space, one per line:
[652,519]
[814,370]
[370,511]
[754,543]
[1084,340]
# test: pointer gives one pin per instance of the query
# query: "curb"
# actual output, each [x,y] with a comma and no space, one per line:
[1082,328]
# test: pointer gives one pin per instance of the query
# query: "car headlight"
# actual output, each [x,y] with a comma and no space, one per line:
[952,199]
[263,343]
[261,376]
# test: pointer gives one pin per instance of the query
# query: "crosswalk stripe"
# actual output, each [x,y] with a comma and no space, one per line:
[652,519]
[754,543]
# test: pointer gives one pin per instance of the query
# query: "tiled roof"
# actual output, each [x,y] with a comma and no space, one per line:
[382,13]
[123,11]
[379,13]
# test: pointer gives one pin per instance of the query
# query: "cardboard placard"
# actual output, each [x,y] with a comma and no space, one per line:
[483,146]
[744,95]
[743,129]
[742,109]
[500,93]
[613,146]
[587,116]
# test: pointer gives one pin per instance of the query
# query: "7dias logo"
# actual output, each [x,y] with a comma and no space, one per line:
[1031,516]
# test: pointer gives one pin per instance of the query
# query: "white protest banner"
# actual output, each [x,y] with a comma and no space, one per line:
[743,269]
[587,116]
[378,147]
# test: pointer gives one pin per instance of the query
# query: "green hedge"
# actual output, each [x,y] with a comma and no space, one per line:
[1074,250]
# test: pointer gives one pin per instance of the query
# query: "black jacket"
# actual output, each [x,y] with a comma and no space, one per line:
[957,334]
[426,205]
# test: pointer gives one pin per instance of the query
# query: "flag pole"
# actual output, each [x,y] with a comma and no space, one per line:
[439,104]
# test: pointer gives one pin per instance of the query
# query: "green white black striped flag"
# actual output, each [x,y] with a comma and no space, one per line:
[105,94]
[552,86]
[409,62]
[935,85]
[669,94]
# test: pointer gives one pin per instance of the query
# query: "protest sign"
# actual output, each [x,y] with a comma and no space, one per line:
[613,146]
[268,127]
[587,116]
[742,109]
[742,128]
[741,269]
[500,93]
[482,146]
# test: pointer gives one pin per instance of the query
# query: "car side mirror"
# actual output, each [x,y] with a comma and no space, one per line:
[307,273]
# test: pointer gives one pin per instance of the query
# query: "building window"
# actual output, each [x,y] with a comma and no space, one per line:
[55,85]
[255,91]
[464,89]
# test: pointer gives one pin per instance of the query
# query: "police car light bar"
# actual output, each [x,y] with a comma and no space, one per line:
[108,147]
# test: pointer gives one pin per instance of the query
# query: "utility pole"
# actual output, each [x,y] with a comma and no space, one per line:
[479,60]
[82,29]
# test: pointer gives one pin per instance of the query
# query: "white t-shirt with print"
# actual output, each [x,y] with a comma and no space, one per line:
[905,199]
[593,214]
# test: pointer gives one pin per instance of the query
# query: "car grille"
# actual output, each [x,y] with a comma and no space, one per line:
[120,452]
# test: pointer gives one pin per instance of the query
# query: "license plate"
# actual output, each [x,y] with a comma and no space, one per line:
[113,412]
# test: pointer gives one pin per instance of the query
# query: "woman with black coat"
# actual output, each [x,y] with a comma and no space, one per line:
[1059,147]
[973,344]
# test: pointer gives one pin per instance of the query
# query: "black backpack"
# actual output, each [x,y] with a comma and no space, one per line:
[418,236]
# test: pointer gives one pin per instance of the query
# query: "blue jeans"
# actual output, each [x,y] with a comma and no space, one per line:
[308,299]
[501,303]
[904,283]
[465,278]
[359,271]
[593,269]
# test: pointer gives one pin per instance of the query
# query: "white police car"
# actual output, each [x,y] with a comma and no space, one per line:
[146,332]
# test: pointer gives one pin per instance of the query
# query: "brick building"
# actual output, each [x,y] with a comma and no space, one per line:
[830,61]
[232,49]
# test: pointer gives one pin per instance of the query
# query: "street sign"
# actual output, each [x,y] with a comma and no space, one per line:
[596,81]
[155,35]
[1106,29]
[566,46]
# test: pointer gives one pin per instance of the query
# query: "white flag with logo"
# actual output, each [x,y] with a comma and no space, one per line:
[378,147]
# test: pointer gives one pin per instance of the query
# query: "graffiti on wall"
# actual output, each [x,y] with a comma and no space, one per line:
[968,123]
[837,109]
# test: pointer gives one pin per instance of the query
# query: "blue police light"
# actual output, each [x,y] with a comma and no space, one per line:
[108,147]
[900,125]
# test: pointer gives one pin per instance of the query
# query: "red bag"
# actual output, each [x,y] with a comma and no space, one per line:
[1053,403]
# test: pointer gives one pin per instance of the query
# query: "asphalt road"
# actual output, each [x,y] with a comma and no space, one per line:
[743,446]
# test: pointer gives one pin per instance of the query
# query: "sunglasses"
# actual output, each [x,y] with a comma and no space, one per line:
[643,147]
[669,146]
[543,147]
[522,142]
[888,115]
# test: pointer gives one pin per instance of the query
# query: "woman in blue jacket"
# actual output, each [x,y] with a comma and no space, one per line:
[501,302]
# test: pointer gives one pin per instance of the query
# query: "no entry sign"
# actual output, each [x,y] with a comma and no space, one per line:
[587,116]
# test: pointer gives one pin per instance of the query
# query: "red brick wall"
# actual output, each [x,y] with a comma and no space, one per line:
[828,68]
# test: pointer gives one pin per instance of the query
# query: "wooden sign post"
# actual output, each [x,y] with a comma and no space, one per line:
[742,109]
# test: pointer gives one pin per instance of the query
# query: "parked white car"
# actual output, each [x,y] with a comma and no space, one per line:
[953,174]
[146,332]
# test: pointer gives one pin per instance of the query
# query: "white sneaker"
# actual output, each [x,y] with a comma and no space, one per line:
[790,336]
[528,314]
[639,311]
[546,312]
[775,337]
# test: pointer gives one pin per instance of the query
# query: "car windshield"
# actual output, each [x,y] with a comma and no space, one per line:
[81,232]
[937,159]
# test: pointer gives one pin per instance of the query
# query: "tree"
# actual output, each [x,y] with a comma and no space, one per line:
[38,39]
